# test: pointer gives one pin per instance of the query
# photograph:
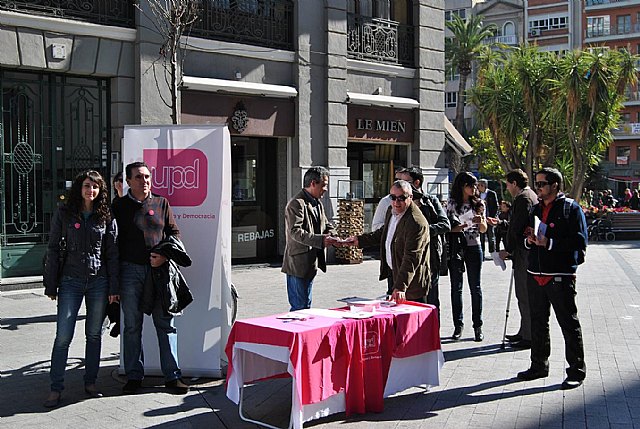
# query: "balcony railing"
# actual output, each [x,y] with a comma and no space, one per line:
[379,40]
[631,96]
[627,129]
[599,2]
[267,23]
[613,31]
[119,13]
[504,40]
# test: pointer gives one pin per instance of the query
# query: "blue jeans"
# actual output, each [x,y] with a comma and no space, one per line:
[72,291]
[299,292]
[473,262]
[132,277]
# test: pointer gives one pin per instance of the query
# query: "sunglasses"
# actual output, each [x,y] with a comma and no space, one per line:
[399,198]
[541,184]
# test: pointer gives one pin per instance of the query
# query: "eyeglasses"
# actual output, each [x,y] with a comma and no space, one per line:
[399,198]
[541,184]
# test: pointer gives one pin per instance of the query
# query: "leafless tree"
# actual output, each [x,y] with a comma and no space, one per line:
[171,19]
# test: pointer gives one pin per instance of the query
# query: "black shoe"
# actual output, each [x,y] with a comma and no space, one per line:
[513,338]
[53,400]
[570,384]
[478,334]
[132,387]
[457,333]
[177,386]
[522,344]
[533,374]
[92,391]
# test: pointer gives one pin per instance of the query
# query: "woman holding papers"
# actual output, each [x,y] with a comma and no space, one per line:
[465,210]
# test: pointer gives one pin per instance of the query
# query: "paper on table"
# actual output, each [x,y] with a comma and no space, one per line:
[292,316]
[334,314]
[498,260]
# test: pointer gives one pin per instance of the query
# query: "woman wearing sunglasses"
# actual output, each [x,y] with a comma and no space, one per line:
[465,211]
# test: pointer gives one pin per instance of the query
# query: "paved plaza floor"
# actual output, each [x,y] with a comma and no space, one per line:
[478,386]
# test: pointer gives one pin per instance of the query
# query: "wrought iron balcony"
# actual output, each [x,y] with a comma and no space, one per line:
[119,13]
[379,40]
[266,23]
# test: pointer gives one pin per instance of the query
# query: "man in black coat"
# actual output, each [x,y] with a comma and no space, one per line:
[523,199]
[491,210]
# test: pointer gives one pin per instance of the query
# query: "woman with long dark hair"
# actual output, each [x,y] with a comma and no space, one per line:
[85,232]
[465,210]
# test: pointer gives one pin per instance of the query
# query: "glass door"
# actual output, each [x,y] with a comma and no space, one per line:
[254,189]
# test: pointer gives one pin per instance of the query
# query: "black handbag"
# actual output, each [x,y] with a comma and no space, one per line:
[62,257]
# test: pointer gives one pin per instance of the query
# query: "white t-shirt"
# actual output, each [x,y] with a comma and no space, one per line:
[380,213]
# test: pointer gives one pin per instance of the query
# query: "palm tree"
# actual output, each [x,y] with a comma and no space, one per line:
[590,90]
[461,51]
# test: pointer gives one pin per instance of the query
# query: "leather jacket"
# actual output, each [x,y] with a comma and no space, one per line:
[166,282]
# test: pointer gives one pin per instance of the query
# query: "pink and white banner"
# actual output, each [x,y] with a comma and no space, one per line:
[191,167]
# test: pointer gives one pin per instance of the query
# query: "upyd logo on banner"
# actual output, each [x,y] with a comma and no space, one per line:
[191,167]
[179,175]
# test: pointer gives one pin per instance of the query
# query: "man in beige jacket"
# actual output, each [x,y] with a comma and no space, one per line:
[308,233]
[404,246]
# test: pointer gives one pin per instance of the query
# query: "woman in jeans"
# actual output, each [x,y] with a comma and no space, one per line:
[90,272]
[465,210]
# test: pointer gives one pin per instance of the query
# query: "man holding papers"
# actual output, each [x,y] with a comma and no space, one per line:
[557,247]
[523,199]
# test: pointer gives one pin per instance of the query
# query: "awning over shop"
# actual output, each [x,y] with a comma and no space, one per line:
[455,139]
[382,101]
[624,178]
[238,87]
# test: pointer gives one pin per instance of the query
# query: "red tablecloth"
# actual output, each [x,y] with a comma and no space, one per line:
[329,355]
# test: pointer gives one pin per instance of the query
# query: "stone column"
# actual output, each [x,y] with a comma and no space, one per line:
[428,149]
[336,95]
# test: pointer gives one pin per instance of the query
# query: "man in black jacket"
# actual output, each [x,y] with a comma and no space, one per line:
[558,241]
[491,210]
[523,199]
[438,226]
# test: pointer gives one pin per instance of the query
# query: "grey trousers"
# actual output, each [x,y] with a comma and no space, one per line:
[520,262]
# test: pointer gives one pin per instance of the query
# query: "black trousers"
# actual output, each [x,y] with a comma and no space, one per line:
[560,293]
[488,236]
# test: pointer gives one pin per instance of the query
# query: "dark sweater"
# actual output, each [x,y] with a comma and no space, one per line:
[142,225]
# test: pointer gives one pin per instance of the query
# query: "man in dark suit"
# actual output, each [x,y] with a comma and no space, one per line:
[523,199]
[491,210]
[404,246]
[308,233]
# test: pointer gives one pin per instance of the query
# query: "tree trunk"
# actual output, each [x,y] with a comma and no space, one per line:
[175,117]
[459,123]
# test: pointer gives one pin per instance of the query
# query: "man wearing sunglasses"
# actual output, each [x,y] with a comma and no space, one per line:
[404,246]
[557,247]
[383,205]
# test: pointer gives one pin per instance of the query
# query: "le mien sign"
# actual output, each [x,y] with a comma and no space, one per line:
[381,125]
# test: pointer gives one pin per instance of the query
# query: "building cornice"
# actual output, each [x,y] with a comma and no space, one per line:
[67,26]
